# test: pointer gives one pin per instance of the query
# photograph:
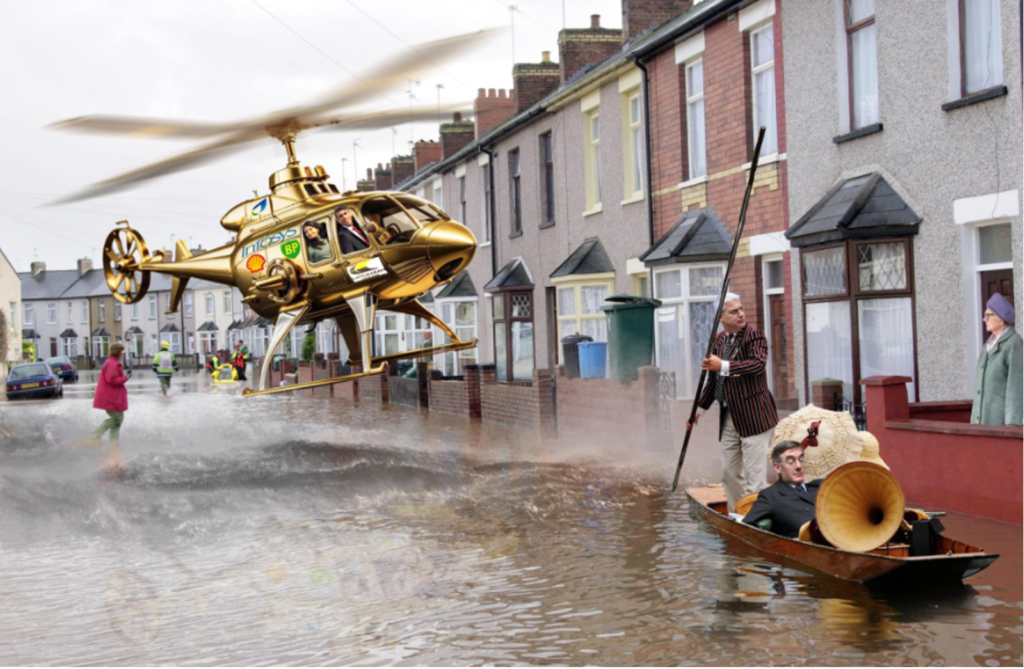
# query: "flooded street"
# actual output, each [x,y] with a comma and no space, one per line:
[288,530]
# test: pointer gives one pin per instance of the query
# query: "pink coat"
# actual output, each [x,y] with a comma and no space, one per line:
[111,395]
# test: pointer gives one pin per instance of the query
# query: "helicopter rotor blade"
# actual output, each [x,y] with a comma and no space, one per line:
[177,163]
[387,118]
[147,128]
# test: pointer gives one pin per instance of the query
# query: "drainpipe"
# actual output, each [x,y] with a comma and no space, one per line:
[490,205]
[650,186]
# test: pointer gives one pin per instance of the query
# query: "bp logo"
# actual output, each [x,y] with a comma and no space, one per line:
[255,263]
[291,249]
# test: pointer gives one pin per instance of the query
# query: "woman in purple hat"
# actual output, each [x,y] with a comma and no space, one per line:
[998,397]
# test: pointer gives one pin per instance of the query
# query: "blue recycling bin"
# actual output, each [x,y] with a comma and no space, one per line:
[592,359]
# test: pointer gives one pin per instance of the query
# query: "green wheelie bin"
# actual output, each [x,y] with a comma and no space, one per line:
[630,334]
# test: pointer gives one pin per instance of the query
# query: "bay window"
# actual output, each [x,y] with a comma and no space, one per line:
[685,320]
[460,316]
[859,312]
[579,309]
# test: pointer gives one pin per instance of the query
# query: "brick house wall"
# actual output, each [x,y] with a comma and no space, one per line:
[578,47]
[424,153]
[456,135]
[529,407]
[457,395]
[402,167]
[532,82]
[728,113]
[641,15]
[382,177]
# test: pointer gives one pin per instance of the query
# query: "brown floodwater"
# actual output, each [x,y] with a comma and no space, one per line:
[303,531]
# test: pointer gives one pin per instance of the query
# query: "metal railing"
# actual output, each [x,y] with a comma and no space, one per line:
[857,410]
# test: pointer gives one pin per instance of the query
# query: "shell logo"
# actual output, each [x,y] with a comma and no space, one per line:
[255,263]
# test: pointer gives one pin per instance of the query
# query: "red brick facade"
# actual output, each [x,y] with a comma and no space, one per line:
[602,412]
[492,108]
[532,82]
[579,47]
[460,397]
[728,113]
[523,406]
[642,15]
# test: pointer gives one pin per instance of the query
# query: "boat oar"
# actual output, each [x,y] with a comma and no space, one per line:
[721,303]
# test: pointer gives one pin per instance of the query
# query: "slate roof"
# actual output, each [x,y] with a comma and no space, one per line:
[515,273]
[68,333]
[47,285]
[29,333]
[170,327]
[698,236]
[100,332]
[208,326]
[589,258]
[857,208]
[135,329]
[461,286]
[87,284]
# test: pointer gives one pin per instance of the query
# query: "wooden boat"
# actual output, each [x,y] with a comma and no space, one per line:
[891,564]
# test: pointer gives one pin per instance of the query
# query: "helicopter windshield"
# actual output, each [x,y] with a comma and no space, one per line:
[399,216]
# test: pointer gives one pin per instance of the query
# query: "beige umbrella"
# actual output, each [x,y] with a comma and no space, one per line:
[836,443]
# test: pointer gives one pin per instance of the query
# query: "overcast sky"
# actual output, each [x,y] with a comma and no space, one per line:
[216,60]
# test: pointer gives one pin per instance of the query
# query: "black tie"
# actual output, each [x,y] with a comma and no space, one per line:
[720,385]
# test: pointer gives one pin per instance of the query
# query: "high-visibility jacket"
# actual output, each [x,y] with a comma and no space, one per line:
[241,356]
[212,363]
[165,363]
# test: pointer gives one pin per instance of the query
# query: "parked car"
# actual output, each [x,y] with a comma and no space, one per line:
[64,368]
[33,380]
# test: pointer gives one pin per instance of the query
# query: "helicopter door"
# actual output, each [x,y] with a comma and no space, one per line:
[389,220]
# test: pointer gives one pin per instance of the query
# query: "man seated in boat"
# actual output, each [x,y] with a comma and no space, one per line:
[789,502]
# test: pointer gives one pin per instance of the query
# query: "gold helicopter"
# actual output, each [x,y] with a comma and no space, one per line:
[287,257]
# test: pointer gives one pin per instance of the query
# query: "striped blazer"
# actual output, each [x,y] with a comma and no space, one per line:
[751,404]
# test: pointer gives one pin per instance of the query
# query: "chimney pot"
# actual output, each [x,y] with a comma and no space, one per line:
[37,267]
[490,92]
[480,93]
[595,20]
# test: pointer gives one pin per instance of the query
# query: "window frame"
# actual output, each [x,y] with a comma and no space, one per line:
[28,314]
[117,311]
[546,146]
[227,301]
[692,100]
[855,294]
[633,153]
[756,70]
[962,33]
[459,358]
[211,305]
[189,305]
[485,172]
[101,310]
[153,307]
[576,284]
[462,199]
[850,30]
[51,313]
[507,320]
[515,192]
[85,311]
[681,304]
[592,161]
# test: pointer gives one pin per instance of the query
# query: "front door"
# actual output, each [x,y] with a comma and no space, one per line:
[779,350]
[992,282]
[53,347]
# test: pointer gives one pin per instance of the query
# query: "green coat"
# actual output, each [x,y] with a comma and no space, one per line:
[998,397]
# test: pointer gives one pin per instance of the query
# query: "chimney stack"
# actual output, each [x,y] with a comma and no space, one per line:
[456,135]
[425,153]
[639,16]
[533,81]
[367,184]
[37,267]
[492,108]
[382,177]
[84,265]
[580,47]
[402,168]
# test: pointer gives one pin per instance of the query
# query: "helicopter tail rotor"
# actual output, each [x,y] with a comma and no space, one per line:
[124,252]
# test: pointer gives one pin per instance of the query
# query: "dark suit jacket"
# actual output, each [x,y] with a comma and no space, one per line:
[348,241]
[788,508]
[746,388]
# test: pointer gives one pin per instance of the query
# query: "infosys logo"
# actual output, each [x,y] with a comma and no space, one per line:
[270,240]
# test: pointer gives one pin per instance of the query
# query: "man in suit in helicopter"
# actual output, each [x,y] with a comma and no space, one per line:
[350,237]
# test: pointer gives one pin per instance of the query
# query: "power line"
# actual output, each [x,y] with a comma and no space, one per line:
[409,46]
[322,53]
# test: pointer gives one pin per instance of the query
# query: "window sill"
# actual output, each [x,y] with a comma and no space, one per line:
[596,210]
[767,160]
[974,98]
[696,181]
[484,245]
[545,226]
[513,235]
[633,200]
[856,134]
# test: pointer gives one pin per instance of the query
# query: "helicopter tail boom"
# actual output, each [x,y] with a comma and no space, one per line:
[213,265]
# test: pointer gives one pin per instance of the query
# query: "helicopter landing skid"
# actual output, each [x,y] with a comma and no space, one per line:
[421,352]
[379,369]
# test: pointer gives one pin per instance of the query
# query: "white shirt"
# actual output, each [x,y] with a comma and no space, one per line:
[990,344]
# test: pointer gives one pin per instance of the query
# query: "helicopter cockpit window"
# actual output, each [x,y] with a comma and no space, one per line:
[318,249]
[386,214]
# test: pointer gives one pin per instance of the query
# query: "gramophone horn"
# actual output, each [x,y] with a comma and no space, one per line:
[859,507]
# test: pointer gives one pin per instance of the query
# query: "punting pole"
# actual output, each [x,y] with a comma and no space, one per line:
[721,302]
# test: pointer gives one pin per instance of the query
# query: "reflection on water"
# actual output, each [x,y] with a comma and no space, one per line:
[292,531]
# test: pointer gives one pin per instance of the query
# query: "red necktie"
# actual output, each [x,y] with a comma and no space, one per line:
[359,234]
